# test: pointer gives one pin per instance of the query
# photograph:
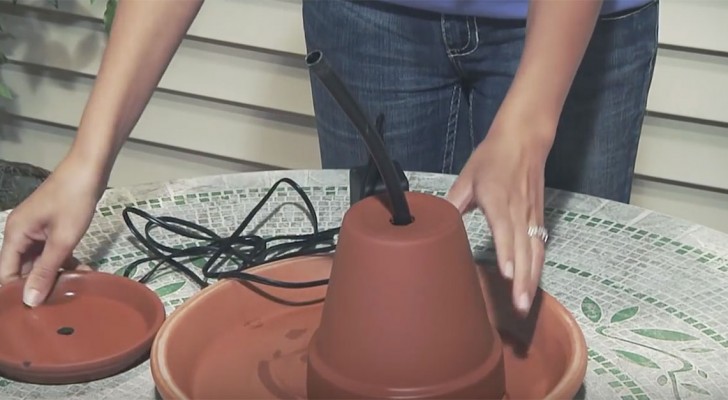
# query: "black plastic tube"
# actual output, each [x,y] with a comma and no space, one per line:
[400,209]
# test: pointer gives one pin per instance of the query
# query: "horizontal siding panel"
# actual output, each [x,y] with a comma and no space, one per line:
[277,24]
[271,24]
[45,146]
[684,152]
[690,85]
[267,24]
[236,75]
[277,82]
[198,125]
[699,24]
[702,207]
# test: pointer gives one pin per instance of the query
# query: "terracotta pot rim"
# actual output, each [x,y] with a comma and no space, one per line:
[576,367]
[111,363]
[158,367]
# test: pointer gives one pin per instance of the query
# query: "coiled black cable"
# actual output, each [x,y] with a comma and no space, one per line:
[245,250]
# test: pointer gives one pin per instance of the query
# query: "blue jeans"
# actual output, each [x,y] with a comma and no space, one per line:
[439,80]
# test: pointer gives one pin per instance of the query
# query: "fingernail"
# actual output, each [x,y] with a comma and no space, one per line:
[32,297]
[523,302]
[508,270]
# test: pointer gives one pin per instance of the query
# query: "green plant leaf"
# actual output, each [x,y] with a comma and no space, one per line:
[109,14]
[624,314]
[695,388]
[591,310]
[637,359]
[169,288]
[5,91]
[696,350]
[662,380]
[54,3]
[664,334]
[3,58]
[702,374]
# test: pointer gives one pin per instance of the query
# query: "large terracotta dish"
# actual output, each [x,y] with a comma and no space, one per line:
[238,340]
[93,325]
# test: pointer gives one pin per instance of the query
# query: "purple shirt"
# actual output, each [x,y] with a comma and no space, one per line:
[506,9]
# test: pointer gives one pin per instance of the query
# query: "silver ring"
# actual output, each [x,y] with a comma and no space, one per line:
[539,232]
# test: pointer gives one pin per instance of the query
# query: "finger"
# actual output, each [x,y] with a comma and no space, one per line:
[538,246]
[11,256]
[73,264]
[461,193]
[497,214]
[84,267]
[27,259]
[26,268]
[9,264]
[537,260]
[46,268]
[522,296]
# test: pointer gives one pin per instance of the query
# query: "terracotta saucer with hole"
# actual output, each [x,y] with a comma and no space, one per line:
[93,325]
[236,340]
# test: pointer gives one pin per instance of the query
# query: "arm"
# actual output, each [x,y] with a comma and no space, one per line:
[144,36]
[505,175]
[557,34]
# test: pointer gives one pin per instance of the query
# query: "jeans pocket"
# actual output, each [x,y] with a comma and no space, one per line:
[628,13]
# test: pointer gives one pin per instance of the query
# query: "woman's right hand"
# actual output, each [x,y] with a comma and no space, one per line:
[42,232]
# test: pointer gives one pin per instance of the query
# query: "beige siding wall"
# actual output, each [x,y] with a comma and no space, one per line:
[236,98]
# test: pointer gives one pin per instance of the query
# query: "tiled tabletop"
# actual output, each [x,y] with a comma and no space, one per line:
[649,291]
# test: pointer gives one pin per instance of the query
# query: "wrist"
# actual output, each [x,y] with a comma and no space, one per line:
[521,116]
[89,167]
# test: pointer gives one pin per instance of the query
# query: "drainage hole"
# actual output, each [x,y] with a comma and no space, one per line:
[66,330]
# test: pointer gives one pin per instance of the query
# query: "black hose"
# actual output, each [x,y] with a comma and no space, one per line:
[400,209]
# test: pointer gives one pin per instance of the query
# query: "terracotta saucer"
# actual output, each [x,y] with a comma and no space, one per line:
[238,339]
[93,325]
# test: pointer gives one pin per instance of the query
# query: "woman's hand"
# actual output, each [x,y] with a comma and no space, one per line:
[505,174]
[42,232]
[505,179]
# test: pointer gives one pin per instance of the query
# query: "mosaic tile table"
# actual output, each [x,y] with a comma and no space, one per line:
[650,291]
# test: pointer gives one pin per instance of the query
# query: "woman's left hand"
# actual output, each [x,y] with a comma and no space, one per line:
[504,177]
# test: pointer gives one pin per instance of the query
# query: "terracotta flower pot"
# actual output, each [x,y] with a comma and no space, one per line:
[407,314]
[404,314]
[244,340]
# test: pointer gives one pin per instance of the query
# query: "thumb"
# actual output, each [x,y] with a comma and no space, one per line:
[45,271]
[461,193]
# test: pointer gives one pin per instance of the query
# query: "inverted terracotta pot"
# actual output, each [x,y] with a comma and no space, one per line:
[236,340]
[93,325]
[404,315]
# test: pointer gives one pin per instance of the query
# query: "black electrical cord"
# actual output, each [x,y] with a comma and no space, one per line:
[245,250]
